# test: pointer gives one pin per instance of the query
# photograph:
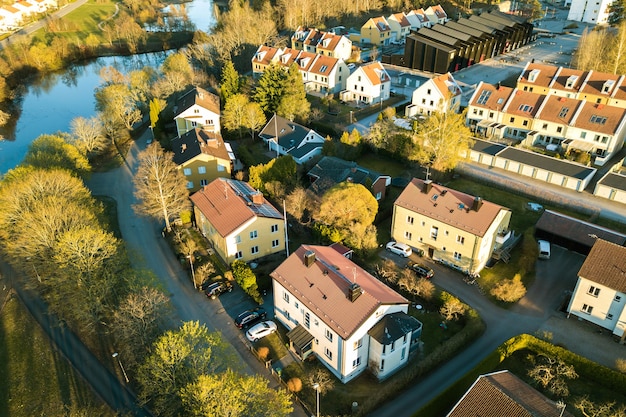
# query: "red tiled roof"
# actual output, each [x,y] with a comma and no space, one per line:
[375,72]
[323,65]
[546,73]
[446,84]
[227,208]
[599,118]
[381,23]
[452,207]
[524,103]
[265,54]
[559,109]
[401,19]
[606,265]
[498,96]
[323,288]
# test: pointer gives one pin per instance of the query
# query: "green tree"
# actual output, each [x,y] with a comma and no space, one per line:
[244,276]
[177,359]
[160,187]
[346,204]
[282,169]
[51,151]
[441,139]
[234,113]
[233,395]
[253,118]
[293,102]
[230,81]
[269,89]
[617,12]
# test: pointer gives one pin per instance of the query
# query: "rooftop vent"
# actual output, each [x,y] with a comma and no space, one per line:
[428,184]
[354,292]
[478,203]
[309,258]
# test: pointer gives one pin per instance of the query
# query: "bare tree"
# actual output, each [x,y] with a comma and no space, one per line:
[297,202]
[452,308]
[509,290]
[160,186]
[387,270]
[322,378]
[551,374]
[591,409]
[88,134]
[420,287]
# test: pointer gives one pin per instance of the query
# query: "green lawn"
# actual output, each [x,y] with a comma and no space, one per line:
[36,379]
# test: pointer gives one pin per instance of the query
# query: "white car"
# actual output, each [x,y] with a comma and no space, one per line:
[351,66]
[261,330]
[399,249]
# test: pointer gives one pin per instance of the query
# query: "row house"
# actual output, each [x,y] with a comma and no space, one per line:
[338,312]
[593,86]
[436,14]
[553,121]
[322,43]
[321,74]
[10,18]
[441,93]
[461,230]
[400,27]
[595,13]
[418,19]
[368,84]
[376,31]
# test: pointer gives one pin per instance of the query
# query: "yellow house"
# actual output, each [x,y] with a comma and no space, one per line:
[203,156]
[376,31]
[238,221]
[461,230]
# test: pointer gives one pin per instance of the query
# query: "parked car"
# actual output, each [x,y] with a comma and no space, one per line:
[544,249]
[421,270]
[399,249]
[261,330]
[351,66]
[215,289]
[250,317]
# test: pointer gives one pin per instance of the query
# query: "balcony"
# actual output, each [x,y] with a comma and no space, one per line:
[503,236]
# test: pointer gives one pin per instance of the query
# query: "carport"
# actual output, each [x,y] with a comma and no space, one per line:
[573,234]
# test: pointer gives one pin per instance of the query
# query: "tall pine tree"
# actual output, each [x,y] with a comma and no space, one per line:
[230,82]
[293,102]
[269,89]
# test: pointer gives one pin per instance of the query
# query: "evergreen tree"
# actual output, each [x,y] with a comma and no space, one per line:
[269,89]
[230,82]
[293,102]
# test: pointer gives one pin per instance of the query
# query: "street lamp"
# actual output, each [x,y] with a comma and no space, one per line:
[117,355]
[193,274]
[316,387]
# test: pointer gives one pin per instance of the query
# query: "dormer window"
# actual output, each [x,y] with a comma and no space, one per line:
[324,68]
[608,86]
[285,58]
[532,76]
[571,80]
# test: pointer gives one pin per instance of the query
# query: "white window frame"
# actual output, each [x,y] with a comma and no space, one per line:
[187,171]
[202,170]
[329,335]
[275,243]
[274,228]
[254,234]
[254,250]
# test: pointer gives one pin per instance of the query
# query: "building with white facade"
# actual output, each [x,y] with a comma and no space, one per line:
[594,12]
[440,93]
[368,84]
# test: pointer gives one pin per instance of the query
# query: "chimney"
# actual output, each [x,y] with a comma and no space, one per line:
[257,198]
[428,184]
[309,258]
[354,292]
[478,203]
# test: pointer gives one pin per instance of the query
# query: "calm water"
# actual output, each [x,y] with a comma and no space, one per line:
[50,105]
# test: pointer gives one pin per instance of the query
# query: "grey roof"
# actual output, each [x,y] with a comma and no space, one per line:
[465,37]
[614,180]
[467,29]
[439,37]
[489,23]
[290,134]
[576,230]
[196,141]
[300,337]
[477,26]
[330,171]
[568,169]
[393,326]
[490,148]
[305,149]
[428,41]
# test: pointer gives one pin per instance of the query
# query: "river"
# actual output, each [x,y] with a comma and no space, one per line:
[49,105]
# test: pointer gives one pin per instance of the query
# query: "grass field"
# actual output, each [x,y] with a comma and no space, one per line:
[36,380]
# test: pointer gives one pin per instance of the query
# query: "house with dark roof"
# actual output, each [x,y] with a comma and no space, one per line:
[600,293]
[330,171]
[238,221]
[461,230]
[502,394]
[323,43]
[202,156]
[338,312]
[612,186]
[290,138]
[197,108]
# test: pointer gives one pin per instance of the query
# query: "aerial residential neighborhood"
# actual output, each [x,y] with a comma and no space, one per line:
[409,209]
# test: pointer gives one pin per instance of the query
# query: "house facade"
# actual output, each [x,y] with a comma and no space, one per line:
[11,18]
[600,293]
[400,27]
[369,84]
[197,109]
[417,18]
[202,156]
[322,43]
[238,221]
[436,14]
[461,230]
[595,13]
[290,138]
[441,93]
[376,31]
[338,312]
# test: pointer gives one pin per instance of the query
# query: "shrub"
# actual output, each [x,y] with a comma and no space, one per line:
[294,385]
[509,290]
[263,352]
[246,279]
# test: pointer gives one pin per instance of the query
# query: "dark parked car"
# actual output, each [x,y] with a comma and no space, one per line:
[250,317]
[215,289]
[421,270]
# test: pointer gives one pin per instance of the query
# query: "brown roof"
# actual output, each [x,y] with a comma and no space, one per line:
[546,73]
[201,97]
[524,103]
[497,96]
[329,41]
[599,118]
[606,265]
[375,72]
[450,207]
[559,109]
[323,65]
[265,54]
[381,23]
[401,19]
[228,204]
[323,288]
[560,80]
[446,84]
[198,141]
[576,230]
[502,394]
[595,83]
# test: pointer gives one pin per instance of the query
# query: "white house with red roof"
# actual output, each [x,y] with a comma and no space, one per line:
[417,18]
[436,14]
[457,228]
[238,221]
[26,7]
[10,18]
[338,312]
[197,108]
[400,27]
[441,93]
[323,43]
[368,84]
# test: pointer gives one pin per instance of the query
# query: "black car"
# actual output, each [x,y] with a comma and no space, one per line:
[421,270]
[215,289]
[250,317]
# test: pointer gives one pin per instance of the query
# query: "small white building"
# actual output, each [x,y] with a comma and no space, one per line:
[290,138]
[197,109]
[368,84]
[338,312]
[600,293]
[441,93]
[11,18]
[417,18]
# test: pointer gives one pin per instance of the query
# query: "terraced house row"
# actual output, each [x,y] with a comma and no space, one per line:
[555,107]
